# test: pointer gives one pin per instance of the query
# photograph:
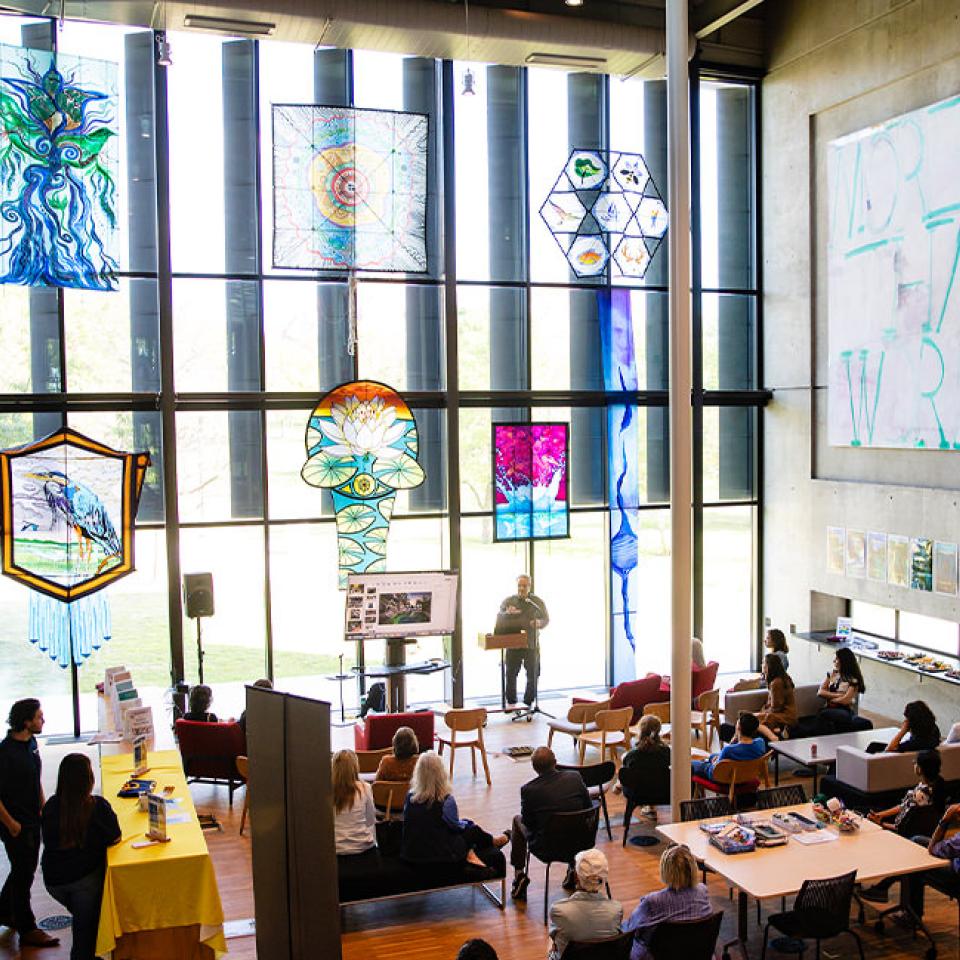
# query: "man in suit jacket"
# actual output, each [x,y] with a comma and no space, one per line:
[551,791]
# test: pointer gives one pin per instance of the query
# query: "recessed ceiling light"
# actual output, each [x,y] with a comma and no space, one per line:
[573,3]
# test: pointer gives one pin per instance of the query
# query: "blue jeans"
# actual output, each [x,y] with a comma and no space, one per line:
[82,898]
[701,768]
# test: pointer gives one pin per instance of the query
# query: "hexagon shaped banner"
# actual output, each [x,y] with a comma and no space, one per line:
[606,211]
[68,509]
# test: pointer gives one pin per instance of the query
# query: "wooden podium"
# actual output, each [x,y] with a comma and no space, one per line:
[501,642]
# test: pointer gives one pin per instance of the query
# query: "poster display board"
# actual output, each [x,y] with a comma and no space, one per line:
[380,606]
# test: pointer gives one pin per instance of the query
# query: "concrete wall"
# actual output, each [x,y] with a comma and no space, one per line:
[835,68]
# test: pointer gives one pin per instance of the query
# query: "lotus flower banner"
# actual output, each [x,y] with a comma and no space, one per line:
[530,481]
[362,445]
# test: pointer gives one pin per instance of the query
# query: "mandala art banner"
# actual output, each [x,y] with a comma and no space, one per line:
[605,210]
[349,189]
[58,170]
[530,481]
[68,508]
[362,445]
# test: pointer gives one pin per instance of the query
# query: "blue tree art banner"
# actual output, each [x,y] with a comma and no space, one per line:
[58,170]
[349,189]
[530,481]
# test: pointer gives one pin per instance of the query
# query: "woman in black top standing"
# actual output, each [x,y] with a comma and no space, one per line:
[77,829]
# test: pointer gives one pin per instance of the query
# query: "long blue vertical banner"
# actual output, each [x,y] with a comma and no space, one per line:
[623,462]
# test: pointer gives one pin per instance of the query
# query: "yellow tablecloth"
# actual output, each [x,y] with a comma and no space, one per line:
[157,888]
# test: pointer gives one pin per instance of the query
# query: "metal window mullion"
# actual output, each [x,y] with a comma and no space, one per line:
[167,384]
[696,268]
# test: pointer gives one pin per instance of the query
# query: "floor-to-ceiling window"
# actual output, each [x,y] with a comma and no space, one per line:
[212,359]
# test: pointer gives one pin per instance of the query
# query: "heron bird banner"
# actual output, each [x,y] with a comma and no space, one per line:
[68,506]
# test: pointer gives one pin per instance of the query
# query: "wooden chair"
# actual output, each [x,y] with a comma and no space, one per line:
[612,733]
[369,761]
[243,768]
[465,721]
[739,776]
[661,711]
[580,720]
[388,796]
[706,716]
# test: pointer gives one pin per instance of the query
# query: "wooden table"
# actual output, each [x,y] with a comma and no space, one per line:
[160,902]
[779,871]
[799,750]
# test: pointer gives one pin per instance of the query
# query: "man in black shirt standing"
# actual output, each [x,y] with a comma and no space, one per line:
[525,611]
[21,798]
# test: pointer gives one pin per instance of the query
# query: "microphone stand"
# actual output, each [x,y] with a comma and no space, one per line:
[528,713]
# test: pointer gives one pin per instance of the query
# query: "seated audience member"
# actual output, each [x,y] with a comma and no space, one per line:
[551,791]
[840,690]
[779,713]
[77,829]
[201,696]
[919,730]
[946,849]
[587,914]
[776,643]
[696,652]
[433,833]
[399,765]
[954,735]
[263,683]
[931,791]
[746,745]
[651,755]
[354,816]
[476,949]
[681,899]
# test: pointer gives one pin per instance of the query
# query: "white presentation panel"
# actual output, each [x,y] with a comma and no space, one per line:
[384,605]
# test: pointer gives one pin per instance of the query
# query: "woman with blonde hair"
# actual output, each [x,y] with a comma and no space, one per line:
[683,898]
[433,832]
[354,816]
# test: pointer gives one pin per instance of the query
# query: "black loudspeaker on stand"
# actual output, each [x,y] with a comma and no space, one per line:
[198,600]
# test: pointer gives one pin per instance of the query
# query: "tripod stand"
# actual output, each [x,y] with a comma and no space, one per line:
[528,711]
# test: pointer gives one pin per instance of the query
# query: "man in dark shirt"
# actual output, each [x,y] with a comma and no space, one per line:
[21,798]
[524,611]
[551,791]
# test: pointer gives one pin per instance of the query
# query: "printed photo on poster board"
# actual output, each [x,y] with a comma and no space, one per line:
[856,554]
[836,549]
[945,568]
[898,560]
[921,564]
[876,556]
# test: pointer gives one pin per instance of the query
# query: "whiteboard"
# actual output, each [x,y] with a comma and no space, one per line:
[893,290]
[384,605]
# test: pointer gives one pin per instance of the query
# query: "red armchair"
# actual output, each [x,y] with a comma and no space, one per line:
[633,693]
[210,751]
[703,678]
[636,694]
[377,730]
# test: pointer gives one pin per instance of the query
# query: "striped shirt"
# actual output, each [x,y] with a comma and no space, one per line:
[690,903]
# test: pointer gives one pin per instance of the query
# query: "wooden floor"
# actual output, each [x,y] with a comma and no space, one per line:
[432,927]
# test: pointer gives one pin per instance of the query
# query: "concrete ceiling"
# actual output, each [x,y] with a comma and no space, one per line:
[620,37]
